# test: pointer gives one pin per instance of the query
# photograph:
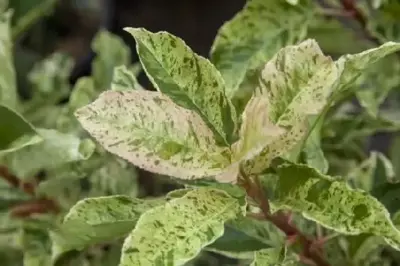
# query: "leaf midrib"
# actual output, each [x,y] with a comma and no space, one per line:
[196,108]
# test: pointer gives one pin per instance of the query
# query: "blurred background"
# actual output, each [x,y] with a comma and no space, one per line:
[68,26]
[42,28]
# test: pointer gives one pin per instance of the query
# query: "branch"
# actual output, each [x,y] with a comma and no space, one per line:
[310,255]
[27,208]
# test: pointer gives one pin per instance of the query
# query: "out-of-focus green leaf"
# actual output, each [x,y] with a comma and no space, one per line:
[360,247]
[124,78]
[83,93]
[371,173]
[37,247]
[15,131]
[51,75]
[50,85]
[111,52]
[96,220]
[8,86]
[352,66]
[247,235]
[55,150]
[377,82]
[114,177]
[28,12]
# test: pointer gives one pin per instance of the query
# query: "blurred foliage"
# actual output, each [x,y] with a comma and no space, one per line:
[57,165]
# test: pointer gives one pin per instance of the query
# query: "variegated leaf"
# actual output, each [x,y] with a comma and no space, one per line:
[253,36]
[95,220]
[352,66]
[152,132]
[275,257]
[257,129]
[190,80]
[296,83]
[176,232]
[332,203]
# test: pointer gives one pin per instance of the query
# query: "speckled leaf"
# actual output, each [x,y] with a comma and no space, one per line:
[53,151]
[8,87]
[190,80]
[273,256]
[296,83]
[176,232]
[125,78]
[95,220]
[332,203]
[15,131]
[352,66]
[152,132]
[111,52]
[253,36]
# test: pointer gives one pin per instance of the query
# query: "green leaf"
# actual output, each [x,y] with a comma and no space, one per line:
[83,93]
[149,130]
[15,131]
[51,75]
[360,247]
[3,5]
[246,235]
[377,170]
[176,232]
[111,52]
[53,151]
[352,66]
[8,87]
[36,245]
[313,153]
[114,176]
[253,36]
[273,256]
[389,195]
[125,79]
[96,220]
[190,80]
[332,203]
[376,83]
[296,83]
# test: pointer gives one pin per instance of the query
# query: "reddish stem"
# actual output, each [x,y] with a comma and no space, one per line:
[310,254]
[29,208]
[25,209]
